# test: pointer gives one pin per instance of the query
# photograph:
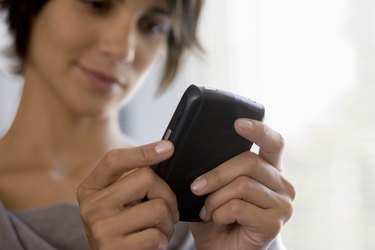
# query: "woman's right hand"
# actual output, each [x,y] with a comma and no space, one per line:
[111,206]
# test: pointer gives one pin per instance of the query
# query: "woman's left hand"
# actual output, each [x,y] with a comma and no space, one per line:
[249,200]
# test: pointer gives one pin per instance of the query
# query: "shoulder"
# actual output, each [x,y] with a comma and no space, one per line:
[56,226]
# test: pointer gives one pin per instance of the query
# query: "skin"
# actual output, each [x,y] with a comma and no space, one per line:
[61,111]
[66,109]
[248,203]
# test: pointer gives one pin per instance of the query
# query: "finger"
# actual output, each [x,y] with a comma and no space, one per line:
[150,238]
[270,142]
[120,161]
[130,189]
[248,215]
[151,214]
[243,188]
[245,164]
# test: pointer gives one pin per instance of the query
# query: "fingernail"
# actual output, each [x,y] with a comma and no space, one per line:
[163,147]
[199,184]
[203,213]
[245,123]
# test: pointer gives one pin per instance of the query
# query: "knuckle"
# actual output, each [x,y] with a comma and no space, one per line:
[235,207]
[277,137]
[280,142]
[288,209]
[80,193]
[248,156]
[89,210]
[145,154]
[98,231]
[274,227]
[160,207]
[264,130]
[110,158]
[243,184]
[217,176]
[85,210]
[253,160]
[289,189]
[147,176]
[284,210]
[258,163]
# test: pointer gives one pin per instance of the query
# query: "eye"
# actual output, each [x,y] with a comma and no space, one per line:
[155,26]
[99,6]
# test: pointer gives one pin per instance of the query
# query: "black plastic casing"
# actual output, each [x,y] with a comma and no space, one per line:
[202,130]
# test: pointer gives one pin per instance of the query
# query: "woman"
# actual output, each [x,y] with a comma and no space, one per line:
[81,61]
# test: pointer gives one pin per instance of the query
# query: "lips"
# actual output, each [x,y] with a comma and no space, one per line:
[99,80]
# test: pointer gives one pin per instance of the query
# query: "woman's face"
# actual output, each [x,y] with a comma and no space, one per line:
[91,53]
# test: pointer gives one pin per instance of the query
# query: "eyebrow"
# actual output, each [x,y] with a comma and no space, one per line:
[158,8]
[161,11]
[165,11]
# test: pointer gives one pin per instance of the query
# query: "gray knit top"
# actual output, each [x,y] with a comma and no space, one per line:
[58,226]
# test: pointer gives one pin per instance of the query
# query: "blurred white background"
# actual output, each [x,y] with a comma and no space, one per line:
[312,64]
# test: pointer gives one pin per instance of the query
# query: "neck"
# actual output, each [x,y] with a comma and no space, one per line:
[46,134]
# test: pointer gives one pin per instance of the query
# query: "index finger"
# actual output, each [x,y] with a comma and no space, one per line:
[119,161]
[270,142]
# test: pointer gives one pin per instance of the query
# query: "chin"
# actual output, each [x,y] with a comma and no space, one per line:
[92,110]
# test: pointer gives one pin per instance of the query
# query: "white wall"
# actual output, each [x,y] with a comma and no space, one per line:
[312,64]
[10,86]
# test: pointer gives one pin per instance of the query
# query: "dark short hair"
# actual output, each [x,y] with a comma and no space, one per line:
[183,36]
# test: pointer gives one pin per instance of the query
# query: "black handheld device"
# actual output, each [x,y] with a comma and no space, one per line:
[202,130]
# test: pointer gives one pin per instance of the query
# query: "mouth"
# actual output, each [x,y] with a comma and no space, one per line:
[99,80]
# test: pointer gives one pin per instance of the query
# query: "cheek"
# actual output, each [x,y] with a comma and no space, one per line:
[147,55]
[59,35]
[70,40]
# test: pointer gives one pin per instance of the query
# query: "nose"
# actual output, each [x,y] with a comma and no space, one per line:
[118,43]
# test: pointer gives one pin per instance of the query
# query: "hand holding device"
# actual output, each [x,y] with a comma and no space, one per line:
[204,137]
